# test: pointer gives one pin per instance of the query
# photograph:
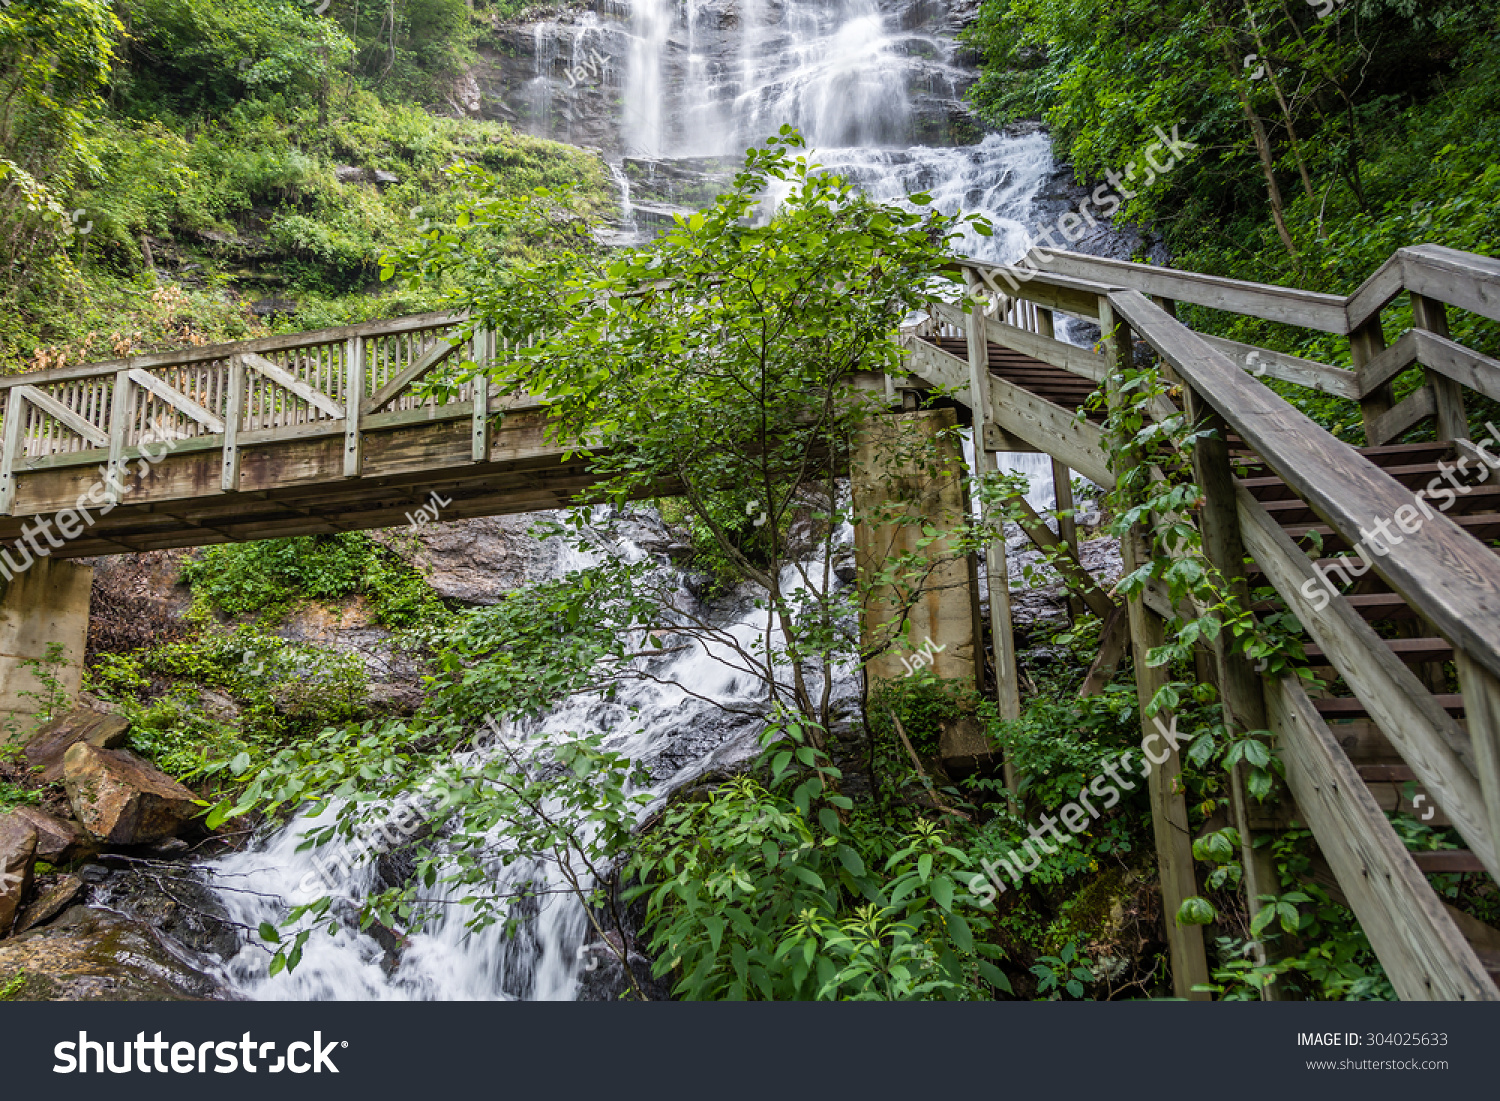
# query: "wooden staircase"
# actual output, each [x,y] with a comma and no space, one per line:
[1406,712]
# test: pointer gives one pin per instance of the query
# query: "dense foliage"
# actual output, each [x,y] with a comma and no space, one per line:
[165,165]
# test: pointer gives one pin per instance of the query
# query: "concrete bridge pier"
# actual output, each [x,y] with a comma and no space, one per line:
[43,607]
[901,471]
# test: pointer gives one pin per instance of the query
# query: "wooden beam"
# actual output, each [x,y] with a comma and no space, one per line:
[1377,292]
[1481,692]
[1067,563]
[15,416]
[121,413]
[1447,576]
[1416,724]
[1083,362]
[1169,822]
[1430,315]
[1423,953]
[1263,363]
[1067,525]
[287,381]
[183,357]
[424,363]
[60,412]
[1461,279]
[1114,638]
[1307,309]
[234,406]
[1396,422]
[354,393]
[486,343]
[176,399]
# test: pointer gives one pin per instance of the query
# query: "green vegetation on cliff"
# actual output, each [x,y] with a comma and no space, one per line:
[167,164]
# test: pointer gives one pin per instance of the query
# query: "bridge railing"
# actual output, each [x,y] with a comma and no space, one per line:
[230,396]
[1448,578]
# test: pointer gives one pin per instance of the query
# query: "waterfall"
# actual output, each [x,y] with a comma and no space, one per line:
[877,91]
[673,724]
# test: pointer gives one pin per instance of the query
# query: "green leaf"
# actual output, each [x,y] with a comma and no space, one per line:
[269,933]
[853,863]
[1196,911]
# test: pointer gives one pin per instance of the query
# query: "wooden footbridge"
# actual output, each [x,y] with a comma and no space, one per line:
[326,431]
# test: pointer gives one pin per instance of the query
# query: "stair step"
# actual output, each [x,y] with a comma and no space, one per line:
[1348,707]
[1447,860]
[1414,651]
[1479,499]
[1484,525]
[1271,487]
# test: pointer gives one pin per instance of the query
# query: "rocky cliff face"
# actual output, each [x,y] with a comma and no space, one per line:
[652,78]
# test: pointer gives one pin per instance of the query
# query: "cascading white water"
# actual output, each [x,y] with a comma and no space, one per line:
[674,723]
[699,78]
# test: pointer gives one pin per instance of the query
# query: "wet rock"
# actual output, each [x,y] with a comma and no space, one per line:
[172,898]
[57,841]
[50,901]
[96,955]
[601,976]
[49,745]
[120,798]
[386,179]
[17,857]
[479,561]
[349,174]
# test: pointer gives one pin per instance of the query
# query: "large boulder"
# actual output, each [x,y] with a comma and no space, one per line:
[97,955]
[57,841]
[121,799]
[49,745]
[17,857]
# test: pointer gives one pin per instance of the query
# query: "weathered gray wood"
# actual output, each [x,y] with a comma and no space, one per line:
[1389,363]
[1114,639]
[1043,425]
[57,410]
[996,570]
[15,415]
[1460,279]
[485,344]
[1422,951]
[1324,312]
[424,363]
[1448,577]
[1417,726]
[176,399]
[1366,344]
[1365,304]
[354,393]
[1396,422]
[1083,362]
[1169,821]
[1463,365]
[1046,289]
[288,381]
[1067,525]
[1263,363]
[121,409]
[1481,693]
[1429,315]
[209,353]
[1066,562]
[234,407]
[1240,686]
